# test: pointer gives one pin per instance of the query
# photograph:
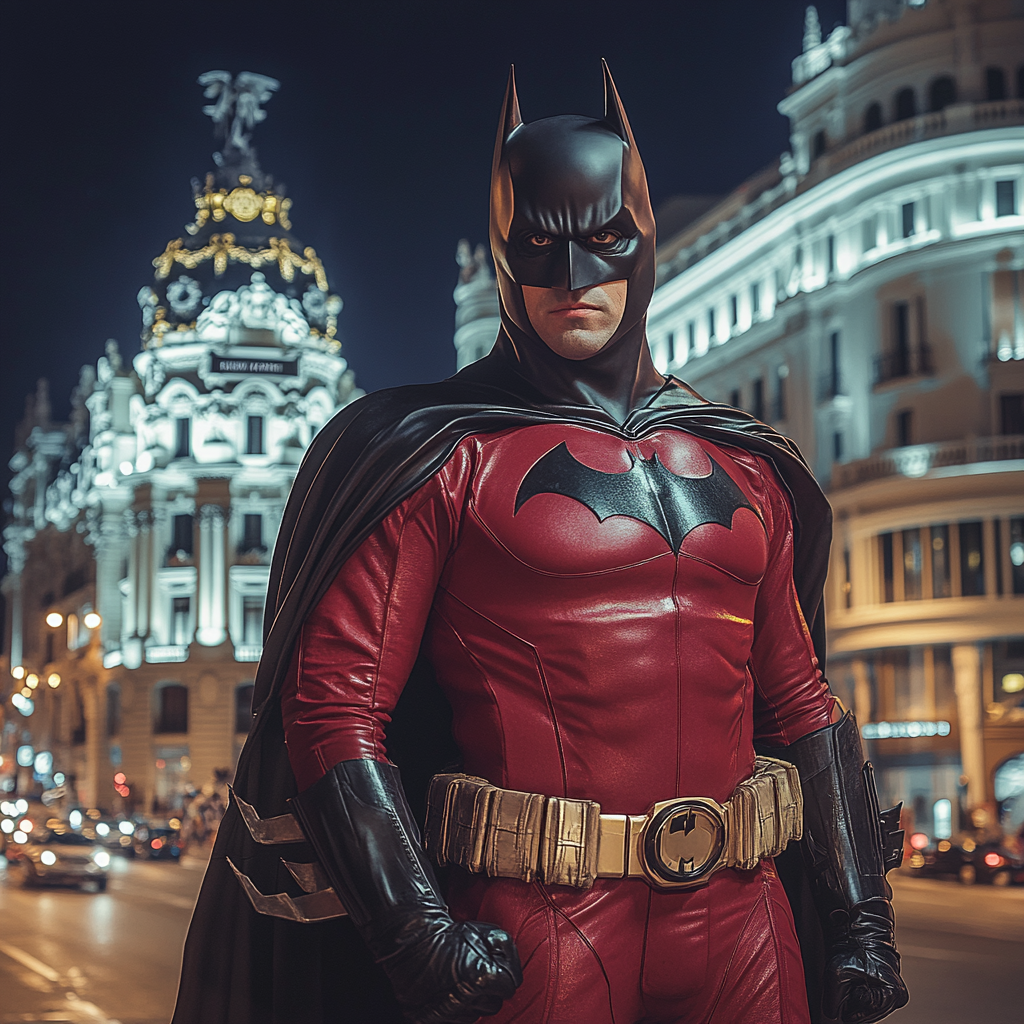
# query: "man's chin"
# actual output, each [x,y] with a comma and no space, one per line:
[577,345]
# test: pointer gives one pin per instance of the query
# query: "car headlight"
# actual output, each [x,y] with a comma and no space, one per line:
[102,829]
[48,857]
[101,858]
[126,828]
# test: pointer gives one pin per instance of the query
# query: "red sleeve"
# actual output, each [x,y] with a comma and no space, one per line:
[791,698]
[358,646]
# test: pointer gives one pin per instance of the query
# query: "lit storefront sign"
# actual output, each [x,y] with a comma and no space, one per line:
[903,730]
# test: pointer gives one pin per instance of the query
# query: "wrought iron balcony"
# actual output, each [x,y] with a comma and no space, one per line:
[908,362]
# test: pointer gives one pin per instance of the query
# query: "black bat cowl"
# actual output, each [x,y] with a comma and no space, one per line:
[570,177]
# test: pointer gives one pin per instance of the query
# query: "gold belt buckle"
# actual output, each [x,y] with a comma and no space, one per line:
[683,842]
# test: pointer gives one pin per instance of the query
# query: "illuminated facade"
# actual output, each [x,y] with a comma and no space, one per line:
[864,295]
[157,506]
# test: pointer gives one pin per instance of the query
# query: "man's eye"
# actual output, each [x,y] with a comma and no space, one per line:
[539,241]
[604,238]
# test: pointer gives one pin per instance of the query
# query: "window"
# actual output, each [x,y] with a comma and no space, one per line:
[888,590]
[182,438]
[904,428]
[972,561]
[995,84]
[869,234]
[780,393]
[907,213]
[711,325]
[734,398]
[113,710]
[172,709]
[830,255]
[252,532]
[941,581]
[1020,82]
[181,535]
[755,298]
[1006,314]
[181,608]
[1011,414]
[254,435]
[837,446]
[942,819]
[905,104]
[941,93]
[901,339]
[252,620]
[734,311]
[72,631]
[819,144]
[1006,198]
[758,409]
[670,346]
[1017,555]
[997,529]
[847,579]
[691,337]
[912,565]
[873,118]
[835,383]
[243,707]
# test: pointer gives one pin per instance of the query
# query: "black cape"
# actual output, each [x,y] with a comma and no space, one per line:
[241,967]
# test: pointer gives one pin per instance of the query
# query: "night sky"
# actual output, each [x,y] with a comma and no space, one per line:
[382,131]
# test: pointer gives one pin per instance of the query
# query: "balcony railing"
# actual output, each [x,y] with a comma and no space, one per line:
[910,362]
[920,459]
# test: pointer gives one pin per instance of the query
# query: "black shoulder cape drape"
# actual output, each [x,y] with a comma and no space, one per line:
[241,967]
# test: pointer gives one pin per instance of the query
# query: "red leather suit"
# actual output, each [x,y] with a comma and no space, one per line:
[585,658]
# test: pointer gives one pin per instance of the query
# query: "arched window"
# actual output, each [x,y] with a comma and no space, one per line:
[941,93]
[873,118]
[906,104]
[995,84]
[171,709]
[113,710]
[243,707]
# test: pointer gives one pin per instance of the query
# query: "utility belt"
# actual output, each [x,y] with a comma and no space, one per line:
[677,844]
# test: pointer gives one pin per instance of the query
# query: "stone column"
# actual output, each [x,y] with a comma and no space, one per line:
[861,692]
[17,616]
[128,626]
[108,596]
[967,684]
[143,567]
[159,630]
[210,618]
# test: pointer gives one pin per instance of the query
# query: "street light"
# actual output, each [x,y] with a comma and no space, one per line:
[54,619]
[53,680]
[92,620]
[18,672]
[32,680]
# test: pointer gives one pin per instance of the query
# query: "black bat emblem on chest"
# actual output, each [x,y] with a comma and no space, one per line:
[647,491]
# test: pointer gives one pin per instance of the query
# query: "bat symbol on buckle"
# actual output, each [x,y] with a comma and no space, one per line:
[647,491]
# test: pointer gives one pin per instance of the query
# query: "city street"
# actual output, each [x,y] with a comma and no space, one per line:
[113,957]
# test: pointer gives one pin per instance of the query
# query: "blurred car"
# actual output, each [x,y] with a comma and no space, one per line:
[60,855]
[115,834]
[967,860]
[158,840]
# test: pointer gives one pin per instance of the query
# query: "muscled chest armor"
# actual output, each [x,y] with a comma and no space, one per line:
[594,622]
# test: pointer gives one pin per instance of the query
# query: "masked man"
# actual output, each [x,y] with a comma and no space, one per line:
[615,587]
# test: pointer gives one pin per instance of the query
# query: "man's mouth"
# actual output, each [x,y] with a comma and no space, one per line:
[577,307]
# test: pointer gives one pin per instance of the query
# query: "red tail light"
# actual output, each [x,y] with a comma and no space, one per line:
[993,860]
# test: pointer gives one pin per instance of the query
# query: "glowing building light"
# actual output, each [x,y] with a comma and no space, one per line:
[53,680]
[19,837]
[92,620]
[26,755]
[103,829]
[75,818]
[48,857]
[1013,682]
[54,619]
[6,826]
[126,828]
[102,858]
[18,672]
[903,730]
[43,762]
[119,779]
[31,680]
[126,468]
[58,778]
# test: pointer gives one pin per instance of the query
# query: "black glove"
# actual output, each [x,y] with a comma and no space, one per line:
[443,972]
[848,846]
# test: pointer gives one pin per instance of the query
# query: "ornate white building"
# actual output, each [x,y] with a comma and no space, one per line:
[864,295]
[158,505]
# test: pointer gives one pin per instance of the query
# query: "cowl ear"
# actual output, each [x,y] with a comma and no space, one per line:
[510,116]
[614,113]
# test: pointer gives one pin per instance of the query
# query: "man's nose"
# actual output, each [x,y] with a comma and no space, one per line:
[586,268]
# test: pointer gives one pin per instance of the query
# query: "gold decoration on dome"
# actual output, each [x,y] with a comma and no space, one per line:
[243,203]
[222,250]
